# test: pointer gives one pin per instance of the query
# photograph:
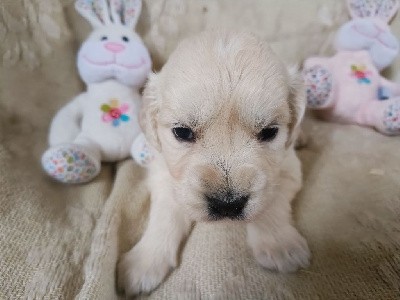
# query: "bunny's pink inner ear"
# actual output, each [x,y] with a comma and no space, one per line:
[87,10]
[384,9]
[132,9]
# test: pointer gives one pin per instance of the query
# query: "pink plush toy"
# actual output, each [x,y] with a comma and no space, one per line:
[347,87]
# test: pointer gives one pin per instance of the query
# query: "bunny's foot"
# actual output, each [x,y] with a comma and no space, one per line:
[141,151]
[318,82]
[384,116]
[70,163]
[391,119]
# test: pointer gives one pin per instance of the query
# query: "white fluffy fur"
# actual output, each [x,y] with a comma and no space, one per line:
[96,63]
[227,86]
[114,63]
[79,122]
[369,31]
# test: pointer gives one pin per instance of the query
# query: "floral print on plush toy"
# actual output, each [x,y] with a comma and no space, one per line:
[101,123]
[347,87]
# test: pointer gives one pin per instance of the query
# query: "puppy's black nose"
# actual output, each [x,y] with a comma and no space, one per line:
[228,205]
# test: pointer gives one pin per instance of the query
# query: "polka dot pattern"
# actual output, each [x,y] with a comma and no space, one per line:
[145,155]
[373,8]
[69,164]
[318,82]
[392,118]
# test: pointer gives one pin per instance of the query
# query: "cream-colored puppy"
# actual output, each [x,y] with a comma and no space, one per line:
[222,116]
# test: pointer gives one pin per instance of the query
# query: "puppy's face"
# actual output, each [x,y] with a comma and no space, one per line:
[222,112]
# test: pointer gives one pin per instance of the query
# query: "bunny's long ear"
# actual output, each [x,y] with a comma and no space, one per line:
[383,9]
[132,9]
[116,10]
[95,11]
[125,12]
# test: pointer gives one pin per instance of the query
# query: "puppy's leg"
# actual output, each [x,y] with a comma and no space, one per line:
[275,242]
[144,267]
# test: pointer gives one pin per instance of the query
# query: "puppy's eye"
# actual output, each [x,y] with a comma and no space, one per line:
[267,134]
[183,134]
[103,38]
[125,39]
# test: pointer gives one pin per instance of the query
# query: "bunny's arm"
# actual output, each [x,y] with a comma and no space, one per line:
[317,74]
[66,124]
[393,88]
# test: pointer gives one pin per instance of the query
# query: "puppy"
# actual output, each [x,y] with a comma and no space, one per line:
[222,116]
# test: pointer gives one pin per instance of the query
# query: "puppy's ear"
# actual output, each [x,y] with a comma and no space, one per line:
[149,112]
[297,103]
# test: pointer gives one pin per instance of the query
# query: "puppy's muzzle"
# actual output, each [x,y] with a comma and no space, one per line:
[226,205]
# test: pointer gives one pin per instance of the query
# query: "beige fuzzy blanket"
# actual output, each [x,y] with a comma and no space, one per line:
[62,242]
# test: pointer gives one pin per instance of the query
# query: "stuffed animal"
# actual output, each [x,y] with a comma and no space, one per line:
[101,123]
[141,151]
[347,87]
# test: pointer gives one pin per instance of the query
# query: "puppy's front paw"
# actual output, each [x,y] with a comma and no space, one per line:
[141,272]
[286,256]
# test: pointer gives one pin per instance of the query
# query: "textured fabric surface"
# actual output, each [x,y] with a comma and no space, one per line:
[62,242]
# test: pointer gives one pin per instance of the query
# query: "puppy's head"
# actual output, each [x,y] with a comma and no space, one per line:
[223,112]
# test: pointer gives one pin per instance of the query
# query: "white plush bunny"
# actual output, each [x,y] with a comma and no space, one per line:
[101,123]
